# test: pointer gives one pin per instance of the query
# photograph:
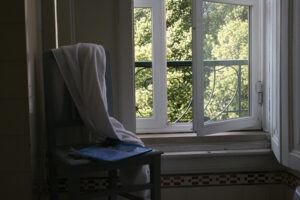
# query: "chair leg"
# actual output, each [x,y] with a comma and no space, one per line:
[112,182]
[53,182]
[155,178]
[73,185]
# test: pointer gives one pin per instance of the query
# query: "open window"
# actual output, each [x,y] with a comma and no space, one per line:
[198,65]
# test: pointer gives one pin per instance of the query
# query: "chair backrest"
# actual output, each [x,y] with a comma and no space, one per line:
[64,125]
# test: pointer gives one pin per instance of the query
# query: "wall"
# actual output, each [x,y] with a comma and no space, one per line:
[35,92]
[249,192]
[277,185]
[106,23]
[15,168]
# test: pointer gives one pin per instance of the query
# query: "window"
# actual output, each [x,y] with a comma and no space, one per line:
[197,65]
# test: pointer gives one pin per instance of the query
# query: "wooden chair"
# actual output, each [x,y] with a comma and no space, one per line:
[65,129]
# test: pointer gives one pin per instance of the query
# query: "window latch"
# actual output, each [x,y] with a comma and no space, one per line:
[259,90]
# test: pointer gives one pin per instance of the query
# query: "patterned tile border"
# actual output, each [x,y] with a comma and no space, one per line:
[223,179]
[92,184]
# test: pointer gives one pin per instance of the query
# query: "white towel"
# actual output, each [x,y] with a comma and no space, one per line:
[83,69]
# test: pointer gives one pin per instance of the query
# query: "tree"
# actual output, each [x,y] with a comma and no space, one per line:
[143,48]
[230,43]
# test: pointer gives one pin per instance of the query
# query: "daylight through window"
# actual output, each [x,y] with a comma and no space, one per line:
[197,65]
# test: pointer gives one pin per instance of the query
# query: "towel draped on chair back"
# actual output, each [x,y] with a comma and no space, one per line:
[83,69]
[63,120]
[63,117]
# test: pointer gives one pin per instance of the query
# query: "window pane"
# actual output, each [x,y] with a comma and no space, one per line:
[226,61]
[179,56]
[143,62]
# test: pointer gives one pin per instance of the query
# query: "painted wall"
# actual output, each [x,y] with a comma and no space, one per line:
[106,23]
[248,192]
[15,167]
[35,93]
[251,192]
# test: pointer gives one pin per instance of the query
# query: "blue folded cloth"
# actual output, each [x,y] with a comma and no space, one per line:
[110,152]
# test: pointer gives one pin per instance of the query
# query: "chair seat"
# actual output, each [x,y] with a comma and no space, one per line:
[74,165]
[61,155]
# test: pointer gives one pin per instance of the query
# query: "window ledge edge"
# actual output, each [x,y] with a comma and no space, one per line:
[190,142]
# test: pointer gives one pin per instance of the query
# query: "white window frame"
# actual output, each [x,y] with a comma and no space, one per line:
[158,123]
[254,121]
[272,74]
[157,120]
[289,136]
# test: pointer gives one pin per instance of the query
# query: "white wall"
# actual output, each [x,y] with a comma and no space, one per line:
[15,168]
[107,23]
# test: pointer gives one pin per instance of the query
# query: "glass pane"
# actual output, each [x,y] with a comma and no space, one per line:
[179,56]
[143,62]
[226,61]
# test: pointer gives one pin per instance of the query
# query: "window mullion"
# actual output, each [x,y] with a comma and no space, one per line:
[159,64]
[197,66]
[256,46]
[143,3]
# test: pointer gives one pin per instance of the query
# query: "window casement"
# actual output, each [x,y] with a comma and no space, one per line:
[198,69]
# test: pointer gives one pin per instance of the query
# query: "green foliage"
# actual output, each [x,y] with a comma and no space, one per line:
[225,37]
[179,30]
[143,52]
[143,34]
[179,48]
[179,93]
[232,41]
[229,42]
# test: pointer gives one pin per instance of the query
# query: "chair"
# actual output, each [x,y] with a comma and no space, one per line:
[65,129]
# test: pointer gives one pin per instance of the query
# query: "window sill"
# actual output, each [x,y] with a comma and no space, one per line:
[186,142]
[186,153]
